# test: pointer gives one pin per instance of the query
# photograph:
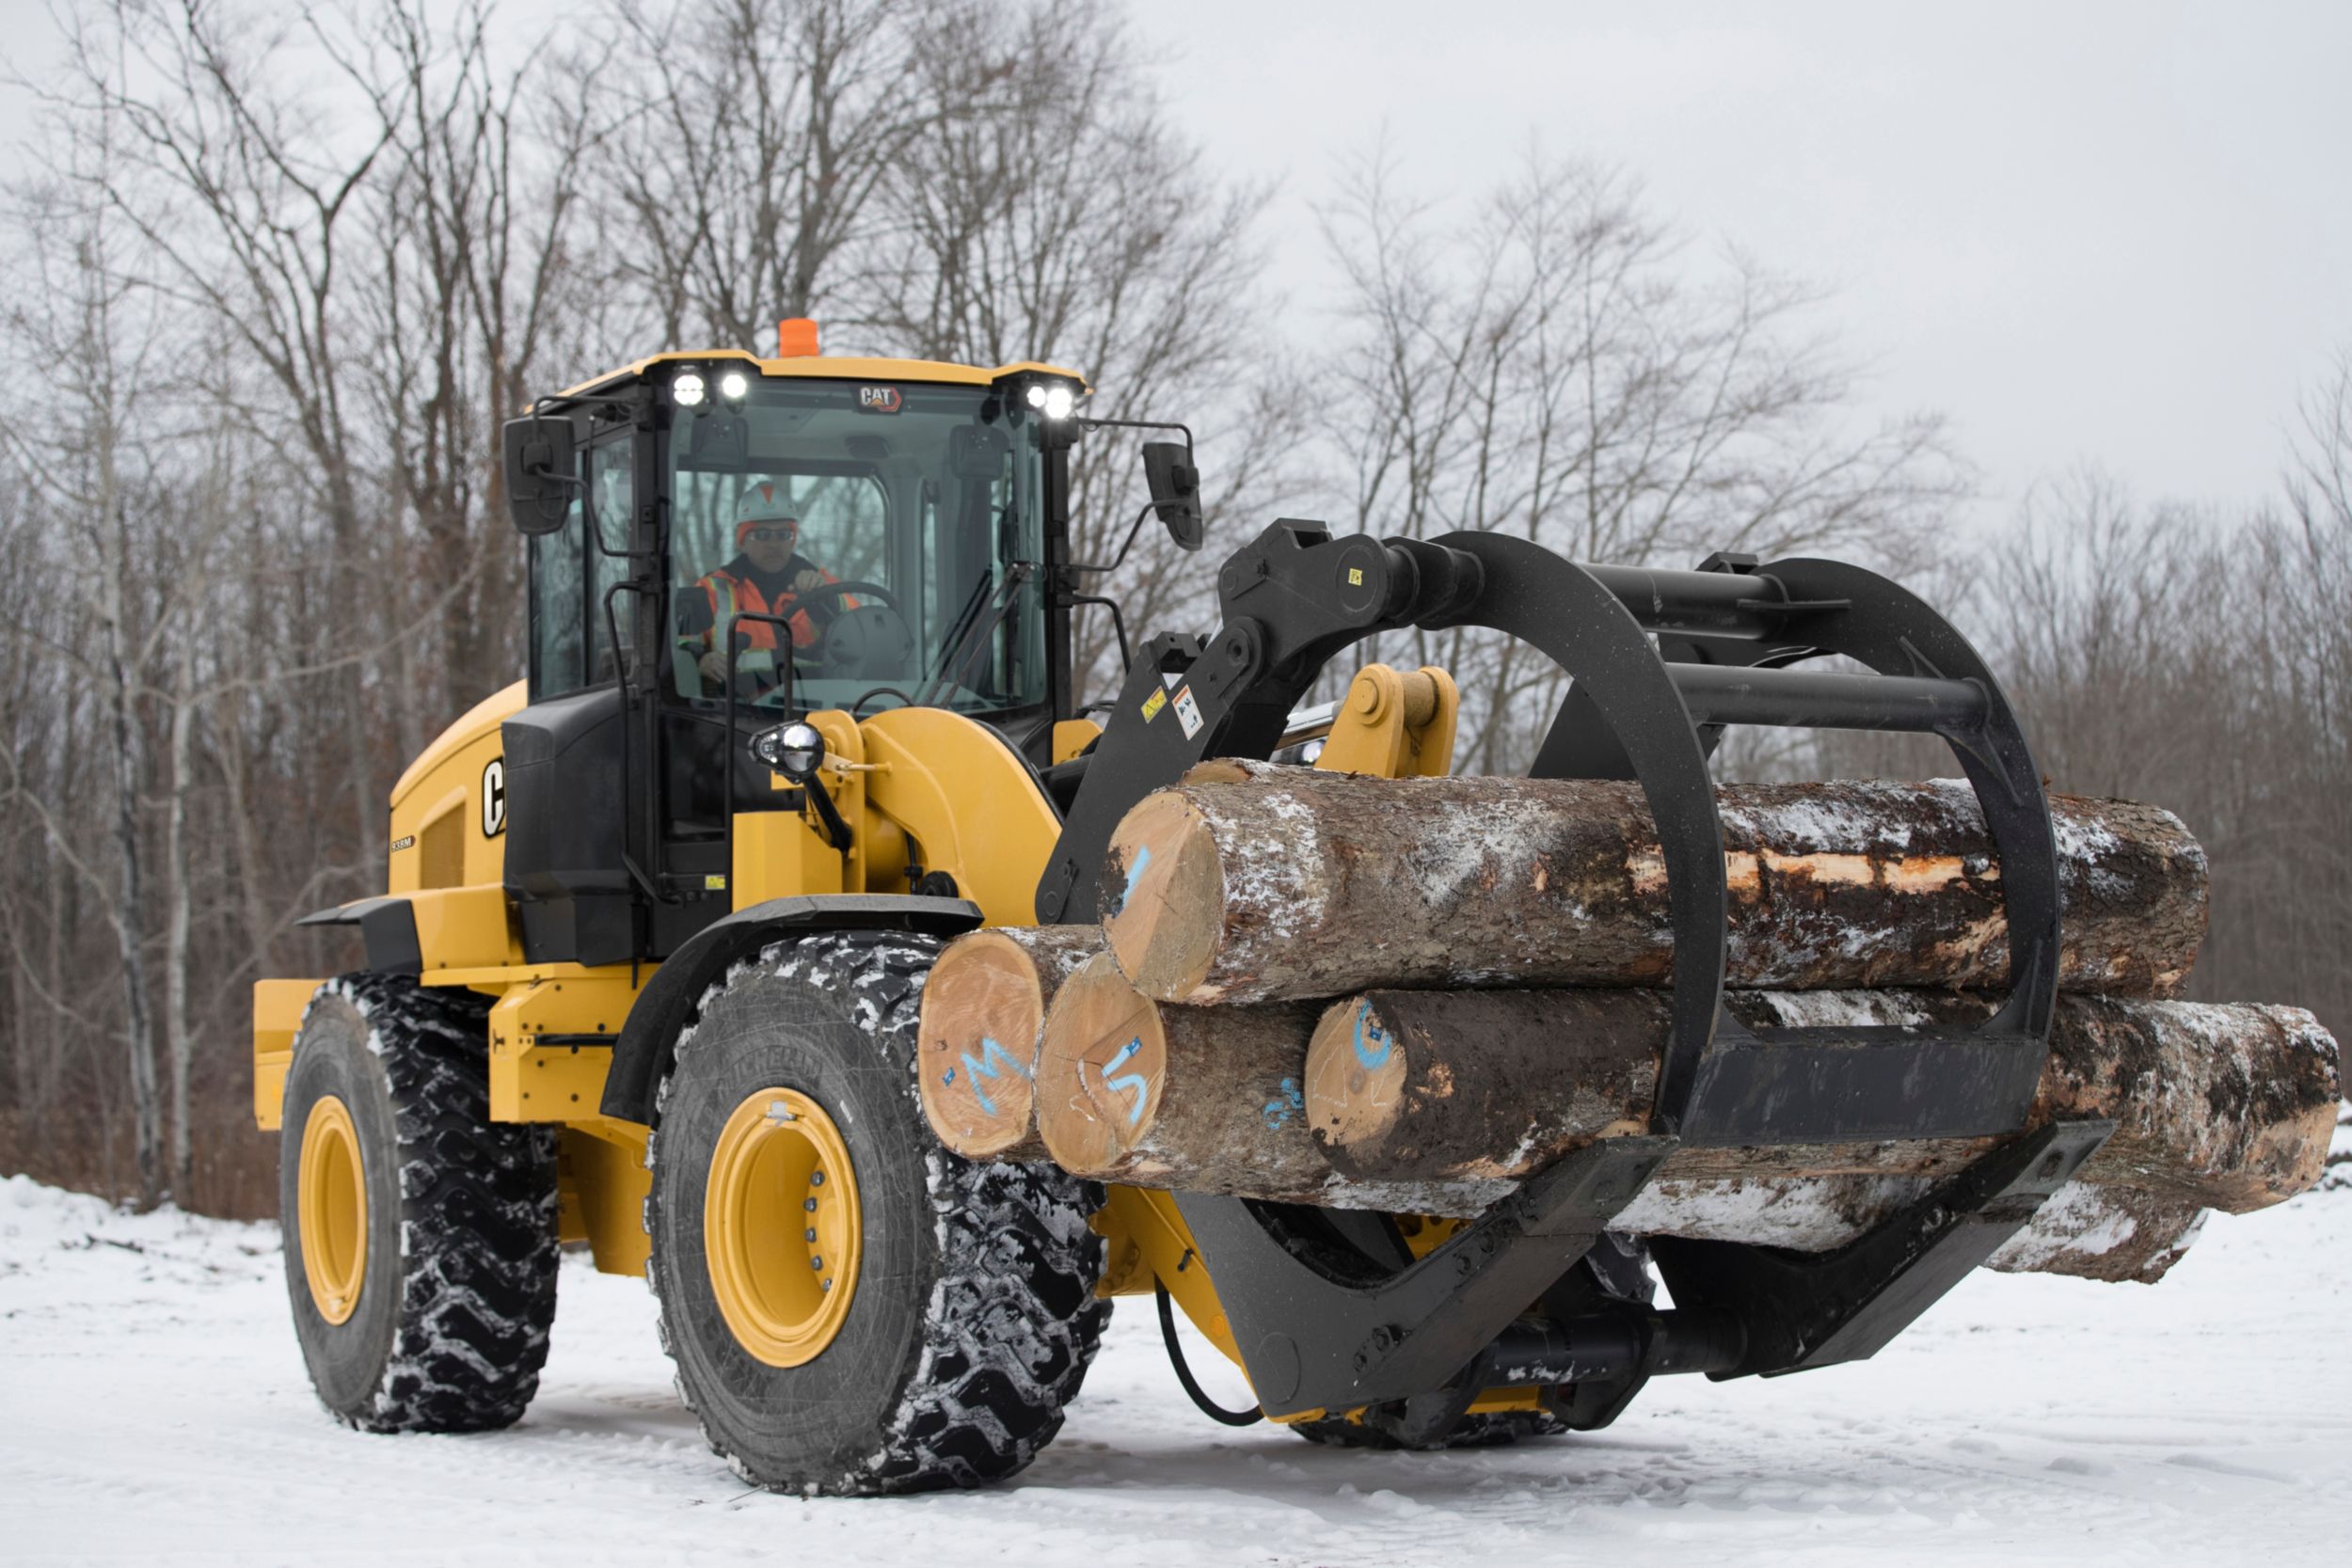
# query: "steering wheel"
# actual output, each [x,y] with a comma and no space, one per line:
[869,642]
[835,590]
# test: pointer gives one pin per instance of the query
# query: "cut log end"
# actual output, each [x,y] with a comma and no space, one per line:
[1355,1075]
[1105,1065]
[976,1049]
[1164,886]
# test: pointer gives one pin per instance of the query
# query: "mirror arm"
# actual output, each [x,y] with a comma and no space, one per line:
[1118,623]
[1112,564]
[1183,430]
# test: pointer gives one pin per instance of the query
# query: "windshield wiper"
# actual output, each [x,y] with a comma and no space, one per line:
[974,642]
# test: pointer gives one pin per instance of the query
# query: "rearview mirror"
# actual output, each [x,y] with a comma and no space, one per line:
[542,471]
[976,451]
[1175,487]
[721,440]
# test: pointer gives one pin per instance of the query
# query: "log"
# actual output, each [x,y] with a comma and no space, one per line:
[1197,1099]
[2225,1107]
[1249,882]
[2086,1230]
[975,1048]
[1248,1142]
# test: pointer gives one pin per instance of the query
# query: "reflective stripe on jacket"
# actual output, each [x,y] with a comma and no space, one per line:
[731,596]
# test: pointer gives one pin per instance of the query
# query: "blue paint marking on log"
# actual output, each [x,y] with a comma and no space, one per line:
[1364,1026]
[993,1059]
[1287,1104]
[1128,1081]
[1135,874]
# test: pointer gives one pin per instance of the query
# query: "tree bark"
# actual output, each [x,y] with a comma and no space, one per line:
[138,1026]
[2085,1231]
[1197,1099]
[179,1038]
[2227,1107]
[983,1015]
[1248,882]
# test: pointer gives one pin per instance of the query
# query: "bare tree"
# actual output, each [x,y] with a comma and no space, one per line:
[246,194]
[758,133]
[1054,212]
[1555,365]
[84,314]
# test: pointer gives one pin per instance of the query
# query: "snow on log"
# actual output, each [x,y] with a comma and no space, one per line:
[976,1050]
[2217,1106]
[1249,882]
[1208,1100]
[2085,1231]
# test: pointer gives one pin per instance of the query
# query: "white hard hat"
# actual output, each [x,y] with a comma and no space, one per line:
[765,502]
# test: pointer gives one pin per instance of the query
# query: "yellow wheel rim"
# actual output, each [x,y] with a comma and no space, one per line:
[781,1229]
[331,1210]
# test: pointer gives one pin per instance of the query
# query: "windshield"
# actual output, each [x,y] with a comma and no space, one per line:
[861,547]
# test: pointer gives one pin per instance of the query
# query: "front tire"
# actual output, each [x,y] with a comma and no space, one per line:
[953,1314]
[421,1236]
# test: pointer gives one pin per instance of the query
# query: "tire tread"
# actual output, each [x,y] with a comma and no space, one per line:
[1011,1324]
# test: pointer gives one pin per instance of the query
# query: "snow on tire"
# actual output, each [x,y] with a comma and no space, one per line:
[455,1287]
[972,1318]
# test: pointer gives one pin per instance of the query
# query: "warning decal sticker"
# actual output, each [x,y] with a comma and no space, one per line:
[1188,713]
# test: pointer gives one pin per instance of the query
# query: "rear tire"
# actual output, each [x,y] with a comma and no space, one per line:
[420,1237]
[971,1317]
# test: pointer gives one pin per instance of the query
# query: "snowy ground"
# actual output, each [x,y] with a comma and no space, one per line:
[153,1403]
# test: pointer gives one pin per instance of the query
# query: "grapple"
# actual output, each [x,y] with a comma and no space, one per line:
[1327,1310]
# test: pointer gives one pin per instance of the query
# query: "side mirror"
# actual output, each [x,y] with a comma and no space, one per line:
[1175,485]
[542,471]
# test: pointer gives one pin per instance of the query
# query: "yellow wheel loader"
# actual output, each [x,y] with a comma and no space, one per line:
[800,710]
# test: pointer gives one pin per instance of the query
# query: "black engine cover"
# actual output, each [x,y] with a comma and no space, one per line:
[564,794]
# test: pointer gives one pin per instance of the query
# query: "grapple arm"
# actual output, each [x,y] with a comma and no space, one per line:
[1659,661]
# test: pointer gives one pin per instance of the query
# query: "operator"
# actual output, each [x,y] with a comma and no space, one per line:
[766,577]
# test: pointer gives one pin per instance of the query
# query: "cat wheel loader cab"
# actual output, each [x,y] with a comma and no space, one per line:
[650,972]
[617,902]
[912,521]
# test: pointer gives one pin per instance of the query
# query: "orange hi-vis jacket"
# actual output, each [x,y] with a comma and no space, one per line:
[732,595]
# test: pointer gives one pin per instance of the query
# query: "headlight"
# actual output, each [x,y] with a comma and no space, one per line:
[689,389]
[1052,400]
[733,385]
[795,751]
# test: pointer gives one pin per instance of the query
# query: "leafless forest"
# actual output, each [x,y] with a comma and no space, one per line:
[275,274]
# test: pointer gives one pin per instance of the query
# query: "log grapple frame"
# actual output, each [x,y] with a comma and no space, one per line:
[1329,1309]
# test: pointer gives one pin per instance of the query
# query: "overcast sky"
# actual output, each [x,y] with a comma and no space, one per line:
[2116,233]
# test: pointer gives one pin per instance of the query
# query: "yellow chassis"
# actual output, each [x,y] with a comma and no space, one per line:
[920,786]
